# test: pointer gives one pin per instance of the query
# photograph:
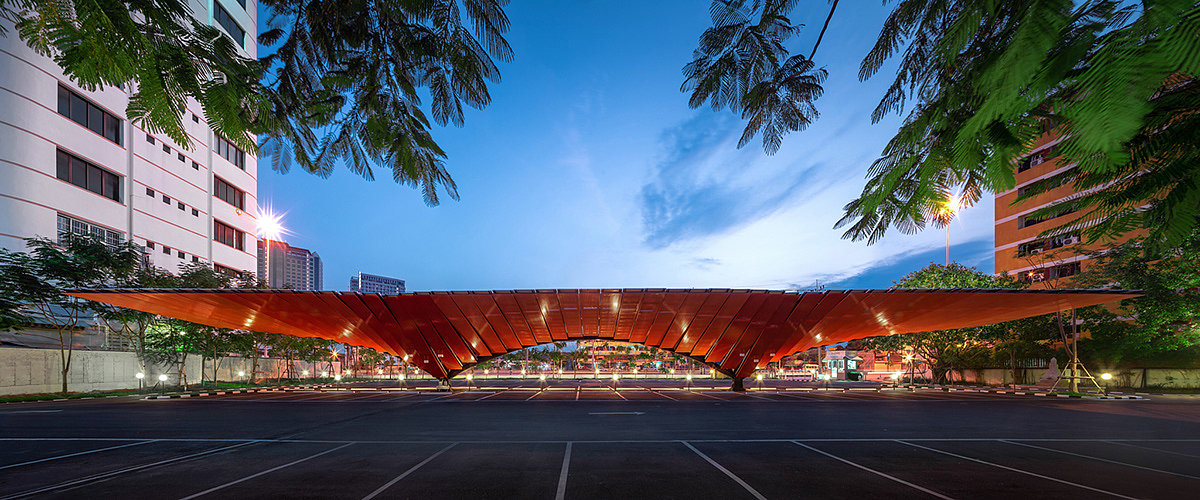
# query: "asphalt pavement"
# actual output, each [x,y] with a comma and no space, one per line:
[642,439]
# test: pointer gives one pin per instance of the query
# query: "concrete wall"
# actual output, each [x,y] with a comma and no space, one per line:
[33,371]
[1179,378]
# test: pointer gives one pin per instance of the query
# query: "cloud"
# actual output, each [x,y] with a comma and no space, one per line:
[703,185]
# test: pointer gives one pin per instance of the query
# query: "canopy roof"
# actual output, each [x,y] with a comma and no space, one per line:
[734,331]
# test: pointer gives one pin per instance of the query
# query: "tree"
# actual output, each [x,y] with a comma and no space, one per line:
[961,348]
[131,323]
[338,81]
[985,79]
[1164,320]
[39,277]
[742,64]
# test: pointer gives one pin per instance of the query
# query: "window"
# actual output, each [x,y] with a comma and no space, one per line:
[167,250]
[226,21]
[228,235]
[195,166]
[150,245]
[149,138]
[195,259]
[166,148]
[180,253]
[88,176]
[69,226]
[180,156]
[149,192]
[230,194]
[1026,220]
[195,119]
[230,152]
[84,112]
[166,199]
[181,206]
[195,213]
[1035,159]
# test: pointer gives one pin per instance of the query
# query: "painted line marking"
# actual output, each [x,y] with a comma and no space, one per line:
[29,411]
[878,473]
[1126,464]
[533,396]
[664,395]
[488,396]
[726,471]
[139,443]
[618,393]
[562,475]
[1005,467]
[397,479]
[1154,449]
[617,413]
[268,471]
[104,476]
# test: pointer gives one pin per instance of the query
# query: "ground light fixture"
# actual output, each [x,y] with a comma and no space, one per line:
[305,373]
[162,378]
[139,375]
[324,374]
[337,377]
[241,373]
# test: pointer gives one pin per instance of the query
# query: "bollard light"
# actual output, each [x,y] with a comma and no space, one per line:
[305,373]
[542,377]
[485,372]
[162,378]
[689,377]
[337,377]
[139,375]
[615,377]
[470,377]
[241,373]
[758,377]
[560,371]
[1106,376]
[401,376]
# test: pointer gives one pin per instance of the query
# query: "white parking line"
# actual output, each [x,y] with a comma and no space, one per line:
[873,471]
[726,471]
[388,484]
[488,396]
[268,471]
[1005,467]
[31,462]
[99,478]
[1154,449]
[1081,455]
[562,475]
[533,396]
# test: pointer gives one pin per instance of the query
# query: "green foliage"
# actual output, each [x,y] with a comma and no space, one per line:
[155,50]
[1161,324]
[36,280]
[986,79]
[742,64]
[338,81]
[965,348]
[347,79]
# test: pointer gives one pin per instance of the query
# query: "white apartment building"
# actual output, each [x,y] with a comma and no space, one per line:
[373,283]
[70,161]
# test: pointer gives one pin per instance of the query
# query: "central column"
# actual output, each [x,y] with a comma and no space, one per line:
[738,385]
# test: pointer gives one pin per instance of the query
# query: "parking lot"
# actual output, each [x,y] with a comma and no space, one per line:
[642,439]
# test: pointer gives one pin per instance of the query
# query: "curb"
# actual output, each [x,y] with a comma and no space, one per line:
[235,391]
[1026,393]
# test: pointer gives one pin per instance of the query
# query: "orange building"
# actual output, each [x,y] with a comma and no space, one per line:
[1021,251]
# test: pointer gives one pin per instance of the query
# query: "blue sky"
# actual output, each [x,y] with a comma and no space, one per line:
[589,170]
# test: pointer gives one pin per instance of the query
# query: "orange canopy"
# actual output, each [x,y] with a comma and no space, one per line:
[734,331]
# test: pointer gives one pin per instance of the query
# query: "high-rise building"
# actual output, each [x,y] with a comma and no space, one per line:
[373,283]
[72,162]
[287,266]
[1021,251]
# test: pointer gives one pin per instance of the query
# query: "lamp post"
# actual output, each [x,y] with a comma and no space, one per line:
[946,213]
[270,227]
[1106,377]
[139,376]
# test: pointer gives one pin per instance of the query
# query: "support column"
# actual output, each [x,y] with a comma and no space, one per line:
[738,385]
[443,384]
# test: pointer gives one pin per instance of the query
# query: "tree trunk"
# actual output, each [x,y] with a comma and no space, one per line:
[253,369]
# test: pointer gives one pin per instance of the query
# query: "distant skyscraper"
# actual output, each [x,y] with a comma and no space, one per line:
[371,283]
[289,267]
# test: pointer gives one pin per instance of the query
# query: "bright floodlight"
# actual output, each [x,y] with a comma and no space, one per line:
[324,374]
[241,373]
[758,377]
[337,377]
[162,378]
[270,224]
[401,376]
[469,377]
[615,376]
[672,371]
[1106,376]
[689,377]
[305,373]
[139,375]
[542,377]
[560,371]
[522,371]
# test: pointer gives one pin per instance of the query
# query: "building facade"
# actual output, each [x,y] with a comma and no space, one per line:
[373,283]
[286,266]
[1021,251]
[72,162]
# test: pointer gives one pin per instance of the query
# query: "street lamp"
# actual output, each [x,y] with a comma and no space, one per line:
[162,378]
[270,227]
[1106,377]
[946,213]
